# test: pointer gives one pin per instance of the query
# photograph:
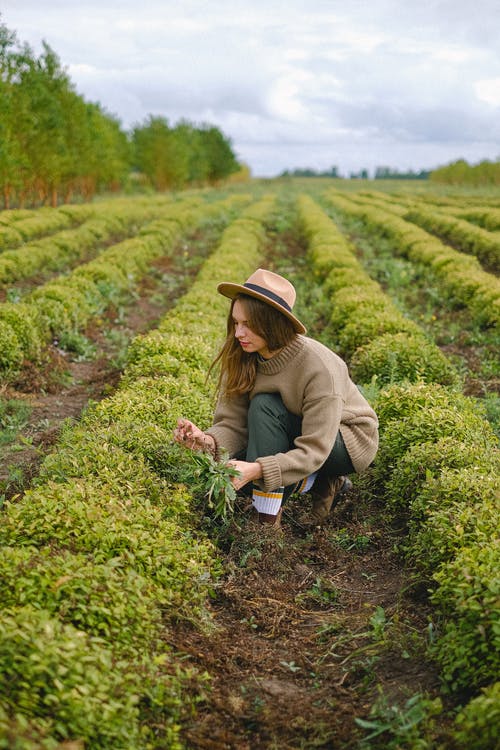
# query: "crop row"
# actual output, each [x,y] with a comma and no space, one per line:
[379,341]
[460,233]
[66,304]
[17,227]
[110,219]
[460,276]
[438,467]
[488,218]
[102,554]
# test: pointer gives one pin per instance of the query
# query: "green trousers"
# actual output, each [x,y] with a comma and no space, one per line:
[272,429]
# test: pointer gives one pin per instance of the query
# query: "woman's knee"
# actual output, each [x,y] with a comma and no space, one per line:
[269,404]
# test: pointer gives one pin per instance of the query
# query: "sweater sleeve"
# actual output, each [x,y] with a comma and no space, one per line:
[229,428]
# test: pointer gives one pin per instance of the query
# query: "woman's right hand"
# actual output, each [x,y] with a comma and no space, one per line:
[190,436]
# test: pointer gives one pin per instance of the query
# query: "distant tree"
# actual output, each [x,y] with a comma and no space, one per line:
[52,143]
[161,153]
[461,173]
[310,172]
[388,173]
[218,152]
[361,175]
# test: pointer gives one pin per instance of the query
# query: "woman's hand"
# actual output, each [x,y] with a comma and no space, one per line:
[190,436]
[247,472]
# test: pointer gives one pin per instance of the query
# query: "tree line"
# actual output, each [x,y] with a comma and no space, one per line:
[461,173]
[380,173]
[55,146]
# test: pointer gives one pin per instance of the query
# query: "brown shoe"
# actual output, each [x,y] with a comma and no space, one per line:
[270,520]
[326,493]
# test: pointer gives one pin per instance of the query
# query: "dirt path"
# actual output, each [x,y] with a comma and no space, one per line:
[308,627]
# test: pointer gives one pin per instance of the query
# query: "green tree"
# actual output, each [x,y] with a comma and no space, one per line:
[218,152]
[161,154]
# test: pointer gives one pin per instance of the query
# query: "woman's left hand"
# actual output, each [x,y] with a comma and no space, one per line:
[247,472]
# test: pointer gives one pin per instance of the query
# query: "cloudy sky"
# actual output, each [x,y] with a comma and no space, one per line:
[409,84]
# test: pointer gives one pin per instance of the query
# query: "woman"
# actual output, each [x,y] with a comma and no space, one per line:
[288,414]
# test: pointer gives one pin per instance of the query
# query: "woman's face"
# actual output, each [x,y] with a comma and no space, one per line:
[249,341]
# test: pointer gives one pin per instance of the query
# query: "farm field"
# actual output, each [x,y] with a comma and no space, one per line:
[138,612]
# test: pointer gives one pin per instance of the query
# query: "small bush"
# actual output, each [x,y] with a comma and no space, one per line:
[107,600]
[425,461]
[466,597]
[396,357]
[478,723]
[55,672]
[453,510]
[11,353]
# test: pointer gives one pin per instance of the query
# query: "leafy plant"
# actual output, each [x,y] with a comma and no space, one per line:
[212,479]
[394,727]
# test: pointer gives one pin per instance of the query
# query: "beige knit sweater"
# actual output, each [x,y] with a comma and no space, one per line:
[314,383]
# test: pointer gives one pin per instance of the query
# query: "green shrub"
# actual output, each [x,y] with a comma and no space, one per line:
[402,401]
[400,434]
[396,357]
[25,322]
[424,461]
[466,597]
[363,328]
[18,732]
[108,600]
[61,306]
[457,508]
[9,237]
[11,353]
[350,302]
[109,520]
[55,672]
[478,723]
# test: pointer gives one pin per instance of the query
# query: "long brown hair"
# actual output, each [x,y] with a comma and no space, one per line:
[238,368]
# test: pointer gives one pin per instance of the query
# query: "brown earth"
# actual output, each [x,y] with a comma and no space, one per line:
[309,627]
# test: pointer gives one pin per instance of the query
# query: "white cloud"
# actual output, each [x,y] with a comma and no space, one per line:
[488,90]
[291,82]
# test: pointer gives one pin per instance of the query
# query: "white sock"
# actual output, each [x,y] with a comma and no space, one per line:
[267,502]
[307,483]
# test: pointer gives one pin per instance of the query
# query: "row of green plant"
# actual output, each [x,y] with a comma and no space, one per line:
[382,200]
[42,221]
[102,554]
[460,233]
[437,467]
[108,220]
[486,217]
[460,276]
[65,305]
[379,341]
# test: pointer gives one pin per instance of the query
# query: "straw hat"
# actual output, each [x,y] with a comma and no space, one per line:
[268,287]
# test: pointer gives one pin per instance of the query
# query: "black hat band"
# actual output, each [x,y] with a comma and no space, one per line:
[270,295]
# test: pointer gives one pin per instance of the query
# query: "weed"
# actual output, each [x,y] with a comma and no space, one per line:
[14,414]
[75,342]
[321,592]
[211,479]
[343,539]
[394,727]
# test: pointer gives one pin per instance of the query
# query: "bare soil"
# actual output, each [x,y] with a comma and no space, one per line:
[309,626]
